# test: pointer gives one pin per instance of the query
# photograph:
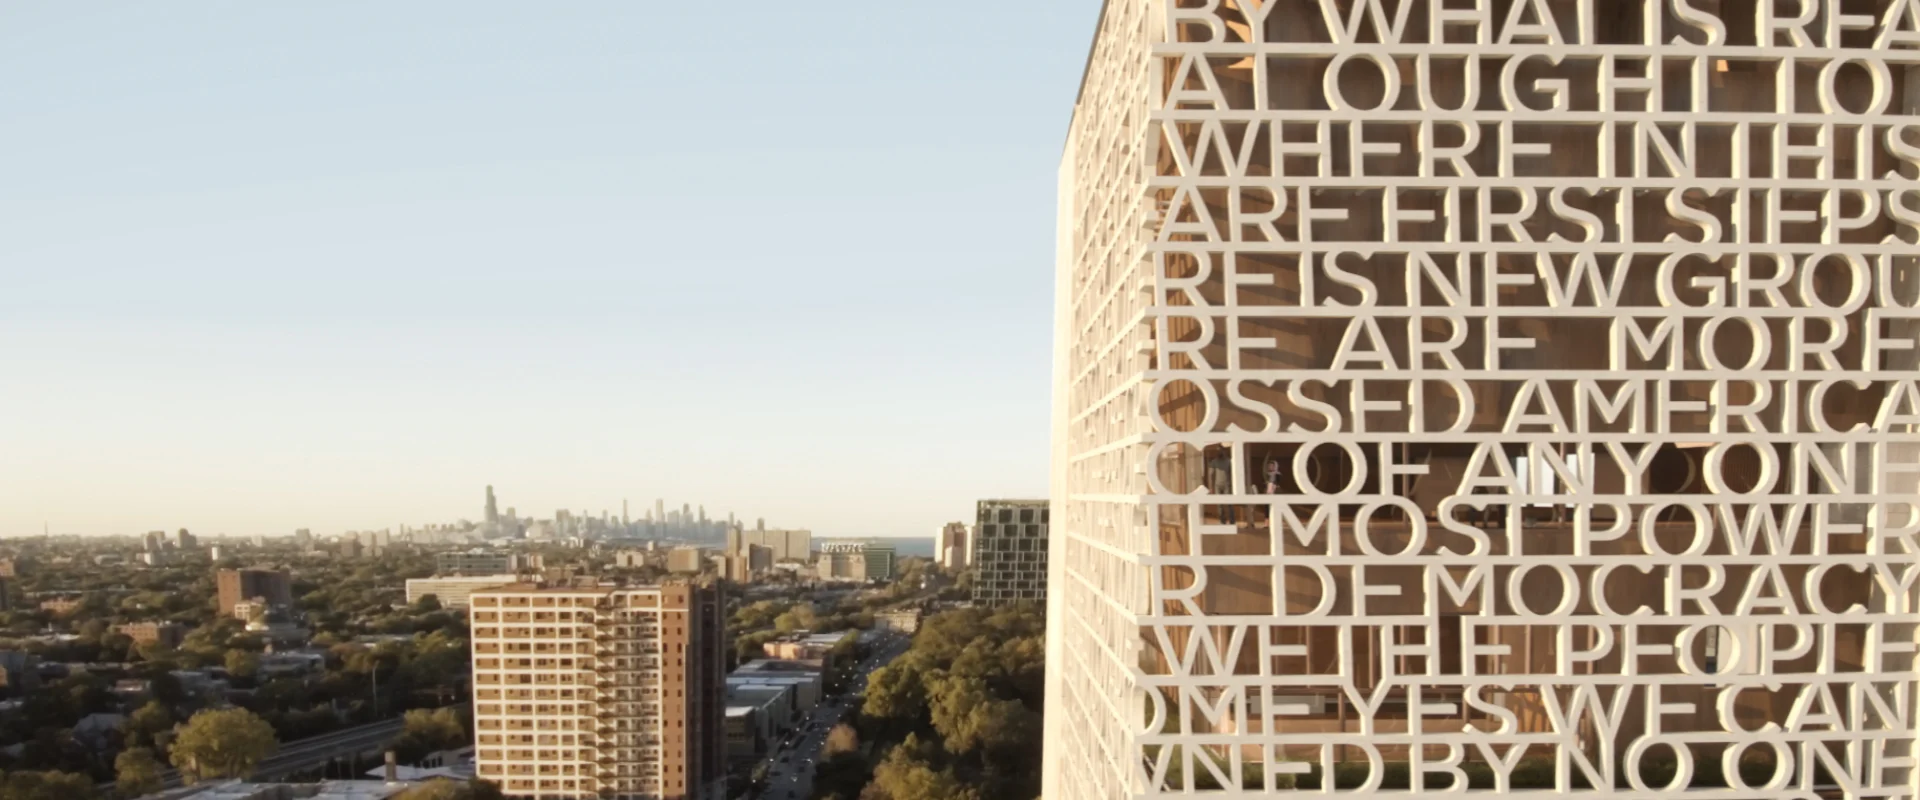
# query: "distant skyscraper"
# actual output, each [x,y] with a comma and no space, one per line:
[493,508]
[950,548]
[1008,551]
[660,511]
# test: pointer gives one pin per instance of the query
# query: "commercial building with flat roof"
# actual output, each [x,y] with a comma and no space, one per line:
[774,710]
[809,648]
[808,687]
[748,734]
[855,560]
[786,545]
[455,591]
[475,562]
[601,691]
[686,559]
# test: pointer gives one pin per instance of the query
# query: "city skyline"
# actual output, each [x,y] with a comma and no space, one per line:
[281,268]
[505,509]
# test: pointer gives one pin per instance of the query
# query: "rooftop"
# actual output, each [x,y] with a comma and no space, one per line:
[772,678]
[774,666]
[599,590]
[509,578]
[325,790]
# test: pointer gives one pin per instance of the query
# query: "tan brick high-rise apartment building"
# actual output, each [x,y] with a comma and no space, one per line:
[274,587]
[601,692]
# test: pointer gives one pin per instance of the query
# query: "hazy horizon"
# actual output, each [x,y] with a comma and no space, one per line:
[339,267]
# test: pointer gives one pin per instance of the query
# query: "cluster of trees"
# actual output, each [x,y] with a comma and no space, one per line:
[30,785]
[343,598]
[214,744]
[337,598]
[905,587]
[754,624]
[424,731]
[221,743]
[957,717]
[340,600]
[960,589]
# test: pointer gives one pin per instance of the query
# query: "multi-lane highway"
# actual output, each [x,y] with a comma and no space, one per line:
[791,777]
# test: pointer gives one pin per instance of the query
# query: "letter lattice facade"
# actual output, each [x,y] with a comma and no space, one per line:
[1489,395]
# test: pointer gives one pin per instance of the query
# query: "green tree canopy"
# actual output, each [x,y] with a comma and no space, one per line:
[970,718]
[222,743]
[749,646]
[896,691]
[243,664]
[146,723]
[799,618]
[973,681]
[137,773]
[904,776]
[438,728]
[842,739]
[51,785]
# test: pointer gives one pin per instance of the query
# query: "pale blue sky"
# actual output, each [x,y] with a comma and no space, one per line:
[339,265]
